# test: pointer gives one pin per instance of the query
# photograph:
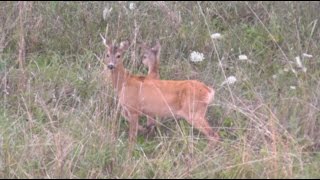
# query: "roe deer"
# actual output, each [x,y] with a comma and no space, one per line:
[151,59]
[139,95]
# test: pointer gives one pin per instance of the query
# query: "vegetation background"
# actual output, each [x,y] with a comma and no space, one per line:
[58,113]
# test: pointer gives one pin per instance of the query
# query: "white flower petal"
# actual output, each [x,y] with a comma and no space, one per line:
[230,80]
[243,57]
[132,6]
[196,56]
[216,36]
[292,87]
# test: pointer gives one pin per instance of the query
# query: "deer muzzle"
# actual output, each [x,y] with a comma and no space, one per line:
[110,66]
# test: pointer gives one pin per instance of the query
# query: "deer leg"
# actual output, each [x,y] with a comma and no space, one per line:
[125,114]
[198,120]
[201,123]
[203,126]
[151,123]
[133,130]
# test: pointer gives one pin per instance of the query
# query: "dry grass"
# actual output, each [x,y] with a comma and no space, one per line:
[66,122]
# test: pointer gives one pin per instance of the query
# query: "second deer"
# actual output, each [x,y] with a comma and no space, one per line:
[151,59]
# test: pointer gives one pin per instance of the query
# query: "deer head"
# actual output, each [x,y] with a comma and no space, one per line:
[151,56]
[114,53]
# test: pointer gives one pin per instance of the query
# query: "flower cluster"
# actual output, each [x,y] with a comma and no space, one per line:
[196,56]
[230,80]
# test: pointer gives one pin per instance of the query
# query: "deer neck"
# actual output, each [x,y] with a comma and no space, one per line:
[119,76]
[153,71]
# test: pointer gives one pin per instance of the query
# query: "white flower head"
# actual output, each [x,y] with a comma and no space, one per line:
[132,6]
[243,57]
[292,87]
[229,80]
[274,76]
[216,36]
[106,13]
[307,55]
[196,56]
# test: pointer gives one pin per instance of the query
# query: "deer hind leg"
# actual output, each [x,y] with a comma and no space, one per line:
[196,118]
[203,126]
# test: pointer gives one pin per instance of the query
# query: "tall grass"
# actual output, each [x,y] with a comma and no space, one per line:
[66,122]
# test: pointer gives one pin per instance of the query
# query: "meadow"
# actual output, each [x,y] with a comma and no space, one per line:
[60,118]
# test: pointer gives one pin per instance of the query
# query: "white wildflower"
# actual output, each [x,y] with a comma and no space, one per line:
[292,87]
[216,36]
[243,57]
[196,56]
[274,76]
[230,80]
[132,6]
[307,55]
[106,13]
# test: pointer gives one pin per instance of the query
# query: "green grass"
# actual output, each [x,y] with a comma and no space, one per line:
[65,122]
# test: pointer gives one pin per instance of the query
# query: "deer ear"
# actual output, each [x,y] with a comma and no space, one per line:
[124,45]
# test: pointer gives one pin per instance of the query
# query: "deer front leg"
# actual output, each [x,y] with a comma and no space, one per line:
[133,129]
[125,114]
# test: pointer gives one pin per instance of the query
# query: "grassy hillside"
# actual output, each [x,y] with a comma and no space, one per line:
[59,116]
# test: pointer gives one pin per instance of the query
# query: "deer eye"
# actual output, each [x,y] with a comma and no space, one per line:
[107,55]
[118,56]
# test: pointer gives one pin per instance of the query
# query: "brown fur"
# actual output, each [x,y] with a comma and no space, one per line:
[151,59]
[138,96]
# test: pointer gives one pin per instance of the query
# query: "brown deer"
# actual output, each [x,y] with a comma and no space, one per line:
[151,59]
[139,95]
